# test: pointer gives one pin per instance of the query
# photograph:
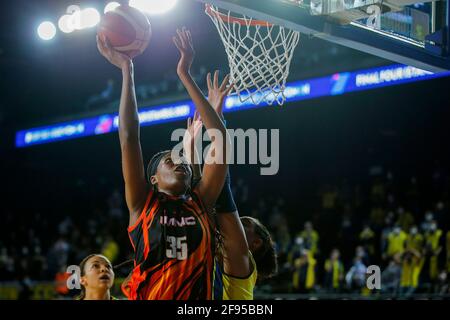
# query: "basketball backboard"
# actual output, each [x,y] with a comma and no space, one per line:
[405,31]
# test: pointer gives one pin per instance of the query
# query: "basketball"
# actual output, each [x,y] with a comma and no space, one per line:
[127,29]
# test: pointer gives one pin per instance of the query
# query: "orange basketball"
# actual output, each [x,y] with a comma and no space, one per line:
[127,30]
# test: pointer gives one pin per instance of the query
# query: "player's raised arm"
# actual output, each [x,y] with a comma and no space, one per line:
[129,132]
[214,172]
[236,259]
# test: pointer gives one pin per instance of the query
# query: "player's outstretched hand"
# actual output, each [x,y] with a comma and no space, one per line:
[191,135]
[183,41]
[118,59]
[216,93]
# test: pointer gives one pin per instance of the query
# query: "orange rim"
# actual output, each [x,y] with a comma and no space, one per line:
[231,19]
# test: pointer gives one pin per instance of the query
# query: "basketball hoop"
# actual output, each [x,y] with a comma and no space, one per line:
[259,54]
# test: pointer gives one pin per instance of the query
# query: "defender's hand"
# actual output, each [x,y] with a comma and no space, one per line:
[183,41]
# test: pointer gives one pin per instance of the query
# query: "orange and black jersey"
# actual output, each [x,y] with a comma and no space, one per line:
[173,241]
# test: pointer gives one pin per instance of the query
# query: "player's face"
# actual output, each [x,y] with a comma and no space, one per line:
[98,274]
[173,177]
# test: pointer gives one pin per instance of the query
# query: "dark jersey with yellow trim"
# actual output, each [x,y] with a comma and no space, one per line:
[173,241]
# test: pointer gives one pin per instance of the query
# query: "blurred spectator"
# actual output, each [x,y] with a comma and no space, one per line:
[405,219]
[433,247]
[362,254]
[356,276]
[377,216]
[390,277]
[414,239]
[304,275]
[396,242]
[296,250]
[110,249]
[367,240]
[429,217]
[334,272]
[412,263]
[58,256]
[310,238]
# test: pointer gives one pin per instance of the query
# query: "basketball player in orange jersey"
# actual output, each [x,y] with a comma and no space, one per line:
[247,251]
[170,227]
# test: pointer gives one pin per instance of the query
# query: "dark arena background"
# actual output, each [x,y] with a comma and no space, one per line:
[364,159]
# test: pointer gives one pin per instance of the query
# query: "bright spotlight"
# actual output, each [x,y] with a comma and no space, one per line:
[46,30]
[65,24]
[111,6]
[89,18]
[154,6]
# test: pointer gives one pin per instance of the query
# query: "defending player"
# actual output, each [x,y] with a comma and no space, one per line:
[247,251]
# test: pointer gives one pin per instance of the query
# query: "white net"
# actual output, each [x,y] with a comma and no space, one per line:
[259,55]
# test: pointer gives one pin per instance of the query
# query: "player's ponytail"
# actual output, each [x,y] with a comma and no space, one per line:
[265,256]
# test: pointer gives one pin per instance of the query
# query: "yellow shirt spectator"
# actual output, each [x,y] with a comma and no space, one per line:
[432,240]
[111,250]
[337,272]
[396,242]
[411,268]
[308,261]
[414,241]
[311,240]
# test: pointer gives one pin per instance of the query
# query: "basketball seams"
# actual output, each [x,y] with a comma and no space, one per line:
[140,30]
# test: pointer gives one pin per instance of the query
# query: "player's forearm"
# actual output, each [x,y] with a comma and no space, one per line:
[128,114]
[196,170]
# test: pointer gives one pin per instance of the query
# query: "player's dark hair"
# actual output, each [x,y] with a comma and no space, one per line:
[153,164]
[265,256]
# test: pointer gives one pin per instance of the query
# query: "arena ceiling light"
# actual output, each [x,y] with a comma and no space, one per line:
[77,19]
[153,6]
[111,6]
[46,30]
[89,18]
[65,24]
